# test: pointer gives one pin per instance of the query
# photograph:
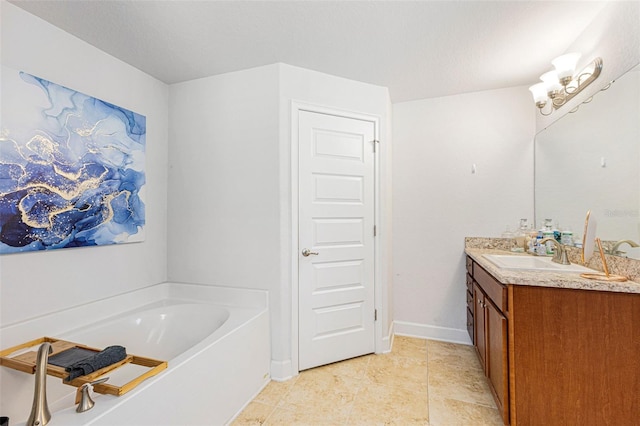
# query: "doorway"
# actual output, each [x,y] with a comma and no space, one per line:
[336,231]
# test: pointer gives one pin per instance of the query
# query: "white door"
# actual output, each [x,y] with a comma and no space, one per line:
[335,238]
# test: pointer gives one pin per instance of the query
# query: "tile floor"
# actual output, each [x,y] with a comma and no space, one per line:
[421,382]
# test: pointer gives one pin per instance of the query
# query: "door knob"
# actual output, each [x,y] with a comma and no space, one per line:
[306,252]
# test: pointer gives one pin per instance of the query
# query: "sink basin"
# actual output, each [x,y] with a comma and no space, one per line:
[532,263]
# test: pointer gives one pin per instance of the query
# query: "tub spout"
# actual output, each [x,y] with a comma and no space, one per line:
[40,414]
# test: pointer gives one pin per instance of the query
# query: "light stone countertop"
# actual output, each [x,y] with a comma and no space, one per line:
[544,278]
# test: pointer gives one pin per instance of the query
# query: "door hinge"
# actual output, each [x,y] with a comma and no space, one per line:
[375,231]
[375,142]
[375,315]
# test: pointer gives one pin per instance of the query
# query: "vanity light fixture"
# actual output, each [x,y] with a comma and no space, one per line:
[562,84]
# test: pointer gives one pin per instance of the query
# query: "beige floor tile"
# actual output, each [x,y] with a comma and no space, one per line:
[386,405]
[421,382]
[398,371]
[451,412]
[409,347]
[452,355]
[282,416]
[274,392]
[320,392]
[462,384]
[354,367]
[450,349]
[254,414]
[455,373]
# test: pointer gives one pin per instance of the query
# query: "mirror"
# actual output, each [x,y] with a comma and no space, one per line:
[590,160]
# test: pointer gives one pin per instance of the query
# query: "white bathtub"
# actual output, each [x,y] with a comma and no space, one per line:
[215,339]
[160,330]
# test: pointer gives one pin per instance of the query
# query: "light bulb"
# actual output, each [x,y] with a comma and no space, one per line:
[551,82]
[566,66]
[539,92]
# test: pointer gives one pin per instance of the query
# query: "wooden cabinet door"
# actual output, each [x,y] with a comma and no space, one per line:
[490,334]
[479,324]
[497,356]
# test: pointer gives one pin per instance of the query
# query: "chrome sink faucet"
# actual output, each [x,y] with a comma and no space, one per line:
[614,250]
[560,255]
[40,414]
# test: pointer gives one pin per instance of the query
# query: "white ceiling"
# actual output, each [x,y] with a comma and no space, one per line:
[418,49]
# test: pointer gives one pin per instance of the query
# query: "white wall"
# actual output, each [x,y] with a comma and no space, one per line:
[34,283]
[224,185]
[230,180]
[223,180]
[437,201]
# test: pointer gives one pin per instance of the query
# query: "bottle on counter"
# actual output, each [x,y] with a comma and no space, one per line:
[556,232]
[538,248]
[547,232]
[530,238]
[509,236]
[520,236]
[566,237]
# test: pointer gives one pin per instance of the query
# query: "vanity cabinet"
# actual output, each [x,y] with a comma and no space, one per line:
[558,356]
[470,302]
[574,356]
[490,333]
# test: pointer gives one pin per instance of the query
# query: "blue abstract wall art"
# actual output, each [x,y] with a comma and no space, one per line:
[71,168]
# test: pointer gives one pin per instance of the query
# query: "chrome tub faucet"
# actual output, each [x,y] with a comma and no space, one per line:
[40,414]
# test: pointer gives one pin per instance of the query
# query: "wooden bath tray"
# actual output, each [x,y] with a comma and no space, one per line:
[26,362]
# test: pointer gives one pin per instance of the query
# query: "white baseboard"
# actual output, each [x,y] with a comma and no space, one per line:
[387,342]
[281,370]
[424,331]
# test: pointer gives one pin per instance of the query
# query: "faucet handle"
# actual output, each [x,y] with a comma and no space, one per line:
[83,395]
[561,256]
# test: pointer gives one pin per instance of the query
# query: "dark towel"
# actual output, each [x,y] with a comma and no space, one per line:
[71,356]
[102,359]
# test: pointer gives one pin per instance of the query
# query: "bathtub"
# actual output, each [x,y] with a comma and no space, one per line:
[215,339]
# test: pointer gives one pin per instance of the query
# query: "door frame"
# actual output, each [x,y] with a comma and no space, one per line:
[296,107]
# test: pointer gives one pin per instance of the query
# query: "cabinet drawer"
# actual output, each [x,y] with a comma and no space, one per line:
[492,287]
[469,265]
[469,283]
[470,300]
